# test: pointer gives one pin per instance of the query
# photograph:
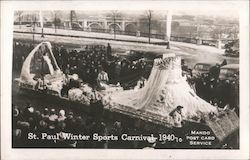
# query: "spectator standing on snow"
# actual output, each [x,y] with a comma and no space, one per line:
[109,50]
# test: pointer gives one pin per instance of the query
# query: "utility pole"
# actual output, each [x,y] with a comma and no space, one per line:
[168,28]
[34,25]
[149,16]
[41,23]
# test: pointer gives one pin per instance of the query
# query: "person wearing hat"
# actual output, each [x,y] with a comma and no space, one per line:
[109,51]
[214,71]
[177,116]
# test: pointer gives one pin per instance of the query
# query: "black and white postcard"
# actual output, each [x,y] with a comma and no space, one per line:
[125,80]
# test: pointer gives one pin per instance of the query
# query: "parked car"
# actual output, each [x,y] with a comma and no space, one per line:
[232,49]
[228,71]
[202,68]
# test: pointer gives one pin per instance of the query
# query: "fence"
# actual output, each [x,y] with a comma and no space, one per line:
[177,38]
[193,40]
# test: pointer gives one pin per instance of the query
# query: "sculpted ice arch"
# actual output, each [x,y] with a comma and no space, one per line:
[40,61]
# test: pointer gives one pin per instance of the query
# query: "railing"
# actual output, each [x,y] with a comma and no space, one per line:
[193,40]
[117,32]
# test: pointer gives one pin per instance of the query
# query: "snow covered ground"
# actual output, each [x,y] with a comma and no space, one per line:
[85,34]
[192,53]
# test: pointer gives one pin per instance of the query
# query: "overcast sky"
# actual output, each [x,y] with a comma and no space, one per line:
[224,14]
[214,13]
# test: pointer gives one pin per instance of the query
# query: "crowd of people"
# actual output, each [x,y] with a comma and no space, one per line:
[41,126]
[20,51]
[46,127]
[221,93]
[86,62]
[52,121]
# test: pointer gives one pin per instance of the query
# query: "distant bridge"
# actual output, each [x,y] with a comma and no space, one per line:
[105,24]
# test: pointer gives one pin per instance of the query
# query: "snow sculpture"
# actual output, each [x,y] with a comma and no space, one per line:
[165,89]
[40,66]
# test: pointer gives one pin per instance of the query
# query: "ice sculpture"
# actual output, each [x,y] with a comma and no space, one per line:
[165,89]
[41,66]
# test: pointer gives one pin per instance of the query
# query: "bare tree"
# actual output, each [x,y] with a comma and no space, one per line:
[217,32]
[19,14]
[56,20]
[149,17]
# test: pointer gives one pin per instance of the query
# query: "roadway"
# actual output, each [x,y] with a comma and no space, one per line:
[192,53]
